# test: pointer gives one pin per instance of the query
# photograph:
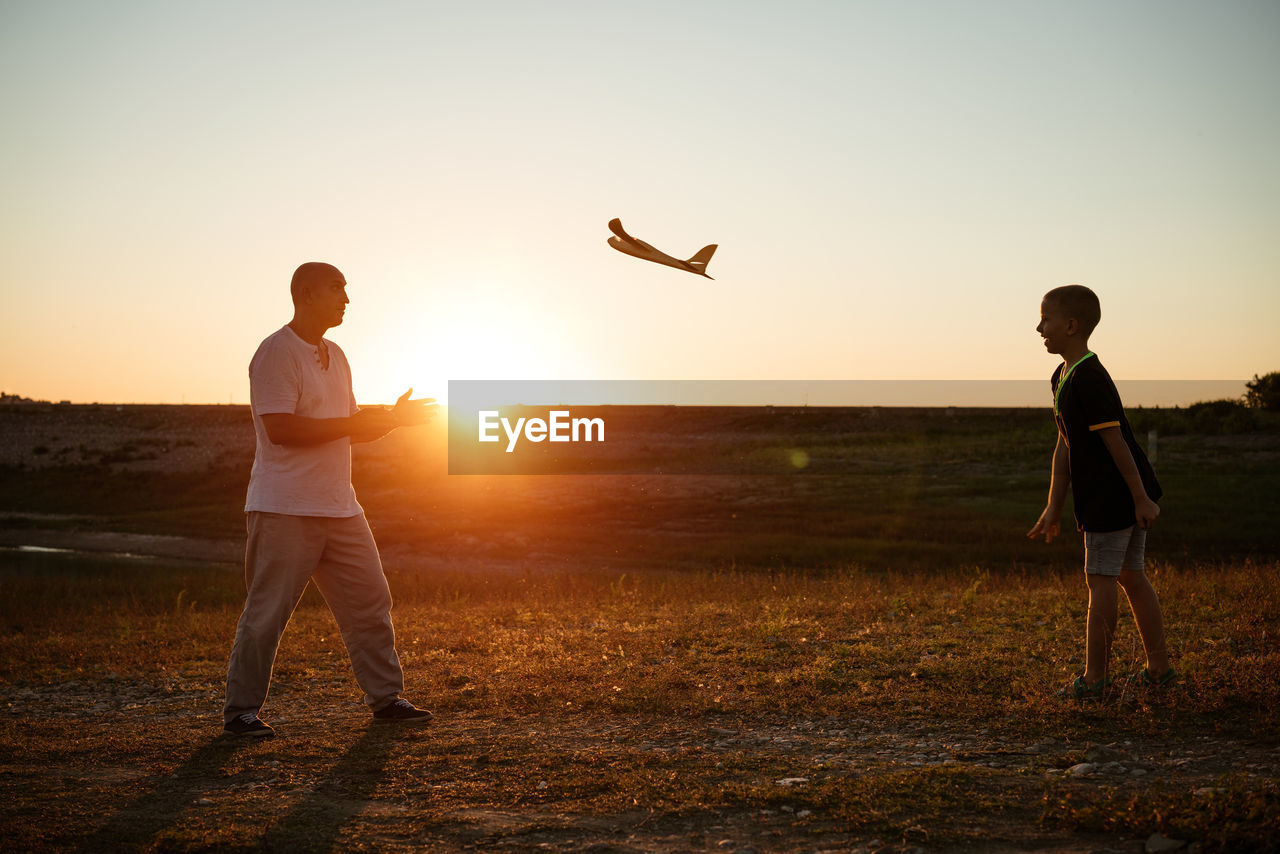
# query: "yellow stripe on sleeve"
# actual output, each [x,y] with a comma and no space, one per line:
[1104,425]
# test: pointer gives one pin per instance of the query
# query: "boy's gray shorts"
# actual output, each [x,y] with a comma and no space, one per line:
[1109,552]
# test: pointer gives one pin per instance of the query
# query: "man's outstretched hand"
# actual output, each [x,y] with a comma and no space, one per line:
[411,413]
[374,422]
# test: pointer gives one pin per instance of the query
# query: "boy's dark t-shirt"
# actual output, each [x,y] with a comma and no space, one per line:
[1088,403]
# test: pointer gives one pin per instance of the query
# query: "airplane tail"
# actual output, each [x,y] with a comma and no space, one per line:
[699,261]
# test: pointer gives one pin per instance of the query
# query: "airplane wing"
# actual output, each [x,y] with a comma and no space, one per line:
[615,225]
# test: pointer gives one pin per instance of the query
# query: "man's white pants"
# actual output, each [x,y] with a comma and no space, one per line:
[283,553]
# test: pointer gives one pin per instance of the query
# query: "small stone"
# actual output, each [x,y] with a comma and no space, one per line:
[1157,843]
[804,813]
[1206,791]
[793,781]
[204,802]
[543,784]
[1083,769]
[1103,753]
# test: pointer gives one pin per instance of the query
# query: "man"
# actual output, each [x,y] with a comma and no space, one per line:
[303,520]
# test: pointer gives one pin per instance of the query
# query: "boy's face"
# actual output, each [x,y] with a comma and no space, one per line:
[1055,327]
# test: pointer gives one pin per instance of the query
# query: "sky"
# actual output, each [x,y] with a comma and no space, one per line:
[893,186]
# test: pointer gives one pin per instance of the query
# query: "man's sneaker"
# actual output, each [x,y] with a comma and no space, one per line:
[402,711]
[248,724]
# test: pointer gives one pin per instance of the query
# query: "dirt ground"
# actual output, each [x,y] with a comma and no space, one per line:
[470,781]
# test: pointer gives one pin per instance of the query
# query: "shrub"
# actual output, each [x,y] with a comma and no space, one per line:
[1208,418]
[1264,392]
[1215,417]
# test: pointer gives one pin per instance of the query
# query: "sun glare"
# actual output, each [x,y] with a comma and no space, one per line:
[468,337]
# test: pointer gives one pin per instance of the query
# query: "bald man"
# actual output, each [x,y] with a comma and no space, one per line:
[304,523]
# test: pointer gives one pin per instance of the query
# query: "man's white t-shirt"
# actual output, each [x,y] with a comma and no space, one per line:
[286,376]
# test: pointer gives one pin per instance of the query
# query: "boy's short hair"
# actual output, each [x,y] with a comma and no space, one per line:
[1077,301]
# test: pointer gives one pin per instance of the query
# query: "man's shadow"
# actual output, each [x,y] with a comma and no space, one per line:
[135,825]
[313,823]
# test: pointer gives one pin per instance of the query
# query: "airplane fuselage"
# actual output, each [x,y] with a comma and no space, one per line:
[648,253]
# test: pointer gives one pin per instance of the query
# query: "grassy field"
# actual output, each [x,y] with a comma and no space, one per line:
[665,711]
[917,489]
[645,663]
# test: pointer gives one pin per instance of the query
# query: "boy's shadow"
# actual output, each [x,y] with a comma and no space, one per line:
[314,822]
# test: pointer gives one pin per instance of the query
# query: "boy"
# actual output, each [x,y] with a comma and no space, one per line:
[1112,485]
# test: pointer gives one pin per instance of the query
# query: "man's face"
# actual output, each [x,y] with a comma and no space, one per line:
[328,299]
[1055,327]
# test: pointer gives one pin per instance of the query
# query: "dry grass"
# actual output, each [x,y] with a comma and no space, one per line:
[661,708]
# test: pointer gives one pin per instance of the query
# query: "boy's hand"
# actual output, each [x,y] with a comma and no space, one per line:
[1049,525]
[1146,511]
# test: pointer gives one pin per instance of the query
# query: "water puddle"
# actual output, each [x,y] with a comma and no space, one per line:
[50,550]
[43,560]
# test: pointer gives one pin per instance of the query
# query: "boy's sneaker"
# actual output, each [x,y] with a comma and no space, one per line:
[248,724]
[1081,690]
[402,711]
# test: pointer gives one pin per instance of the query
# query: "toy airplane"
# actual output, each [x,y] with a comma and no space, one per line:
[626,243]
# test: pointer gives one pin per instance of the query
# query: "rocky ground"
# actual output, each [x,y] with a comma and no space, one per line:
[135,437]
